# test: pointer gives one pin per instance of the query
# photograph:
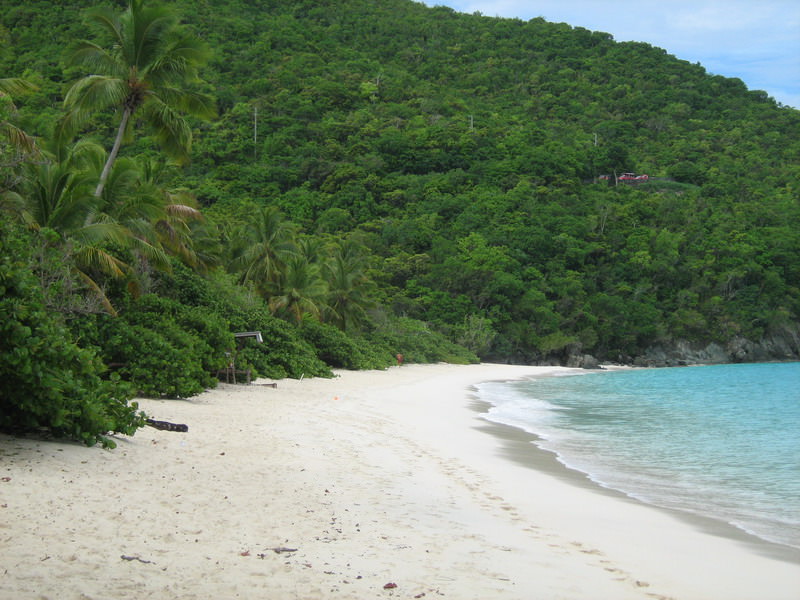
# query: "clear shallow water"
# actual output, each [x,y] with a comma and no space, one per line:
[721,441]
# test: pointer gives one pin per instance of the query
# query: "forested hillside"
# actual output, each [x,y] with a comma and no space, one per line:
[455,160]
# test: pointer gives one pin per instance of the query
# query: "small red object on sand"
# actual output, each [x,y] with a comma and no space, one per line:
[390,586]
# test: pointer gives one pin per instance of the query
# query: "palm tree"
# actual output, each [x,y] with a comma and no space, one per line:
[144,74]
[314,249]
[137,206]
[16,146]
[129,200]
[56,197]
[160,220]
[181,228]
[261,249]
[349,287]
[16,137]
[299,290]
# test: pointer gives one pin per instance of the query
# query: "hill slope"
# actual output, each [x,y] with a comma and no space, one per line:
[465,150]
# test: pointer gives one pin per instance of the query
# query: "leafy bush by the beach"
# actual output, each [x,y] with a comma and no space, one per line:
[418,343]
[156,365]
[339,350]
[283,352]
[195,329]
[162,347]
[46,380]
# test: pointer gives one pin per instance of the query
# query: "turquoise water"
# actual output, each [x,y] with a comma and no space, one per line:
[721,441]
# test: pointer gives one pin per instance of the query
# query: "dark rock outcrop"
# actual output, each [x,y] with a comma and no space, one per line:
[583,361]
[783,346]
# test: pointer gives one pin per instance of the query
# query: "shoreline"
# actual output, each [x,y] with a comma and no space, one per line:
[337,488]
[521,447]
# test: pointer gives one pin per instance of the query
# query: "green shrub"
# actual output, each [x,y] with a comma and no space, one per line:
[157,363]
[46,380]
[164,348]
[283,353]
[418,343]
[336,349]
[208,333]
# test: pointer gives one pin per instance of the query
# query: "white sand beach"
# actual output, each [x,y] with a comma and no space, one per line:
[382,484]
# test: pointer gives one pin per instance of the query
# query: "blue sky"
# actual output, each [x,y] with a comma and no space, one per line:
[757,41]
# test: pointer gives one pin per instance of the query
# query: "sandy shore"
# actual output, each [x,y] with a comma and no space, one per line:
[346,488]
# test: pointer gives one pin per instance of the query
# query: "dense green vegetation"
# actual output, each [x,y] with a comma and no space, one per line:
[381,178]
[46,379]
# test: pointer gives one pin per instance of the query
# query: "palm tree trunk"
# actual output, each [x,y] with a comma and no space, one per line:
[114,151]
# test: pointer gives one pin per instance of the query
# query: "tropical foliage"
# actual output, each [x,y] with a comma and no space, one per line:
[48,380]
[382,178]
[142,73]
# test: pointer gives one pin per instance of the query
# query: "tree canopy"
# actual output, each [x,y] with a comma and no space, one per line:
[145,72]
[385,177]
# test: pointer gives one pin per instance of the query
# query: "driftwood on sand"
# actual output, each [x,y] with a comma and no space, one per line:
[167,426]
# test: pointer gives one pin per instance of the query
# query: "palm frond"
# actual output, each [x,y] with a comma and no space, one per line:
[95,92]
[92,285]
[64,132]
[17,138]
[142,229]
[167,231]
[92,258]
[138,211]
[146,28]
[181,196]
[191,49]
[95,58]
[152,169]
[183,211]
[102,232]
[57,197]
[177,241]
[109,20]
[206,247]
[87,95]
[181,58]
[153,253]
[198,104]
[87,155]
[171,130]
[12,203]
[16,86]
[123,182]
[194,103]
